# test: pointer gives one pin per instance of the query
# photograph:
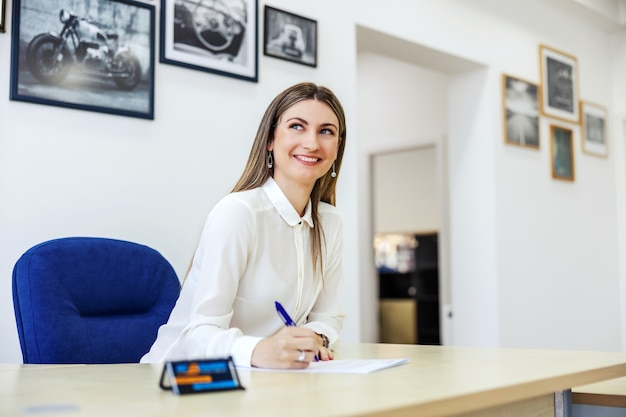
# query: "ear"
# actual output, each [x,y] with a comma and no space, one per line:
[270,146]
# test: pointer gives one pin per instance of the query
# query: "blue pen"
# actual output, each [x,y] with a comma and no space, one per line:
[284,315]
[286,318]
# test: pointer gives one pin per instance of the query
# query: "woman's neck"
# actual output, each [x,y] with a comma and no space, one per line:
[298,194]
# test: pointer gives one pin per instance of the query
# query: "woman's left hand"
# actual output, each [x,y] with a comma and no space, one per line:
[325,354]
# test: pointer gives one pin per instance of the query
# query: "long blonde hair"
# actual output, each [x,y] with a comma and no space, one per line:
[256,171]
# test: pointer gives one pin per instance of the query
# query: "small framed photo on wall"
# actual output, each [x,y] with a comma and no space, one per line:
[559,84]
[593,127]
[520,102]
[290,37]
[562,153]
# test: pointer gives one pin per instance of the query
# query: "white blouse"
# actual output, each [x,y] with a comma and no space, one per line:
[254,250]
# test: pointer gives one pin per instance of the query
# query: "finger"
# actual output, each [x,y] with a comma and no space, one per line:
[325,354]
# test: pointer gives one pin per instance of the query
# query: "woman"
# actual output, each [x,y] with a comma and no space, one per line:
[276,237]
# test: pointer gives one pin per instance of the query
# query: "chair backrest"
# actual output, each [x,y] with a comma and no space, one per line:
[91,300]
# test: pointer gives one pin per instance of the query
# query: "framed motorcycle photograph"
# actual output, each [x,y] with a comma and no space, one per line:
[96,55]
[213,36]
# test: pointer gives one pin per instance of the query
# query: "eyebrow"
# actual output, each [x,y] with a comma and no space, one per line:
[307,123]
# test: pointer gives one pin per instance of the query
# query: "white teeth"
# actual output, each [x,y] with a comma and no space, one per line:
[306,159]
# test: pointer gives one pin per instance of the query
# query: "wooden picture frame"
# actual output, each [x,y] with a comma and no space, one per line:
[520,111]
[3,15]
[203,36]
[290,37]
[562,153]
[105,64]
[559,84]
[593,129]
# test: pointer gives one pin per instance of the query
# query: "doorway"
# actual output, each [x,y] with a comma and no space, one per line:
[403,104]
[405,201]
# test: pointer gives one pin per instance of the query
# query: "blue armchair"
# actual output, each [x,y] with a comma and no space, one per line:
[91,300]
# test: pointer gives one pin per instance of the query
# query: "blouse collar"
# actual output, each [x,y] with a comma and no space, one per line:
[284,207]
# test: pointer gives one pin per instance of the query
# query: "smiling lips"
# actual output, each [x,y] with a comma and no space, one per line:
[306,158]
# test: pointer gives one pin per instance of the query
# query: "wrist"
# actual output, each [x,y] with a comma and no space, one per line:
[325,341]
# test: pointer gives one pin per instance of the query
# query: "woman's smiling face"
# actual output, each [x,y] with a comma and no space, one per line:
[305,145]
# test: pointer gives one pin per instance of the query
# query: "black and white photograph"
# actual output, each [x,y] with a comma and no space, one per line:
[559,80]
[95,55]
[593,119]
[216,36]
[3,15]
[520,102]
[290,37]
[562,152]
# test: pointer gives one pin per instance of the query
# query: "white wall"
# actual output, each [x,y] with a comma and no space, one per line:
[529,256]
[618,133]
[66,172]
[405,185]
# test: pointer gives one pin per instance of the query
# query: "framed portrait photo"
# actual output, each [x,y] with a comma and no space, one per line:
[593,127]
[562,153]
[520,105]
[212,36]
[102,59]
[290,37]
[559,84]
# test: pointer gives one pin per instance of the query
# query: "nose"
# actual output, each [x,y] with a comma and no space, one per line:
[310,141]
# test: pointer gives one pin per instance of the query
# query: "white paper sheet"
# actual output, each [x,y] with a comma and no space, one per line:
[344,366]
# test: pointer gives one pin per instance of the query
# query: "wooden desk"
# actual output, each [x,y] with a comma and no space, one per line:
[438,381]
[611,393]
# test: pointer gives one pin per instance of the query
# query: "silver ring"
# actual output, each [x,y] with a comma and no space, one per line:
[301,357]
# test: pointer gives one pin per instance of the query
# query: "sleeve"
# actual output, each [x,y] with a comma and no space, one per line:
[327,314]
[219,262]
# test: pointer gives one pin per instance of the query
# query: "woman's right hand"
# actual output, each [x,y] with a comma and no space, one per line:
[283,350]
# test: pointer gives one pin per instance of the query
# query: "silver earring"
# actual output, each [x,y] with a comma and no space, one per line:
[333,174]
[270,160]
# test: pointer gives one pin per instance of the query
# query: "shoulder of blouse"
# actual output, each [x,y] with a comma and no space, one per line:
[327,209]
[250,199]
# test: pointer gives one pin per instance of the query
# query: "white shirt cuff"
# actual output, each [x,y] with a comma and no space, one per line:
[242,350]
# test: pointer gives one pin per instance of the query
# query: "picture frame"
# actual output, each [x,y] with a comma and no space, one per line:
[290,37]
[593,129]
[559,84]
[562,153]
[3,15]
[520,111]
[106,64]
[228,48]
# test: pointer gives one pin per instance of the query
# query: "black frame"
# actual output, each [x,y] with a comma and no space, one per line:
[97,94]
[278,44]
[3,16]
[234,55]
